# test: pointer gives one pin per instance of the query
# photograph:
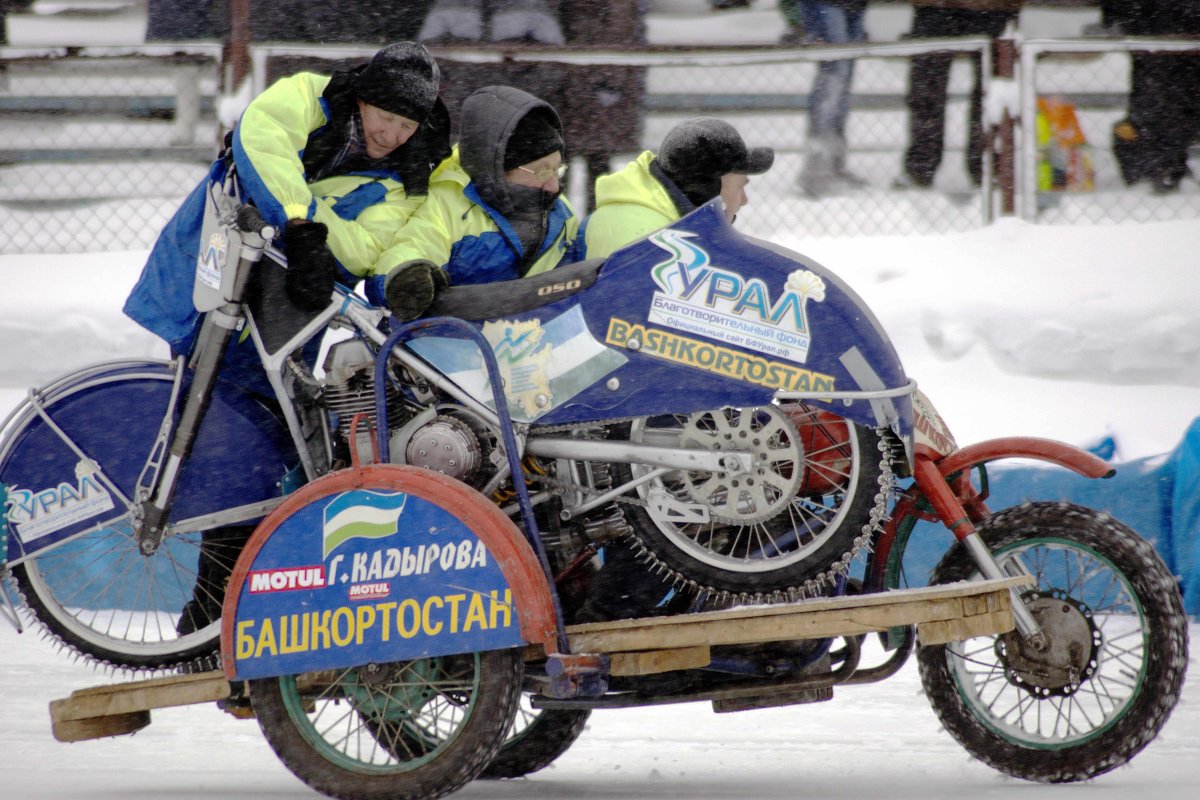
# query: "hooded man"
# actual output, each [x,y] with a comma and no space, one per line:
[337,163]
[700,158]
[495,209]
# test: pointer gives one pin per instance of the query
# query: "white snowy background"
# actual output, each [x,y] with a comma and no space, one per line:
[1073,333]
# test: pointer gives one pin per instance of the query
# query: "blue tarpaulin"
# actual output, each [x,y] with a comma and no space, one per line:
[1159,497]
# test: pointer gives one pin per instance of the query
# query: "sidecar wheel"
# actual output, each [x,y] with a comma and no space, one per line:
[1116,656]
[785,530]
[537,738]
[409,730]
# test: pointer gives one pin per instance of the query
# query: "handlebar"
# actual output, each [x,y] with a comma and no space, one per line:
[250,221]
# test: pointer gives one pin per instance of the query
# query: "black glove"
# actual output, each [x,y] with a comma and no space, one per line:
[311,267]
[411,287]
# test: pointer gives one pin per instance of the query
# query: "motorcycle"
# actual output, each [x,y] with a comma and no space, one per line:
[728,408]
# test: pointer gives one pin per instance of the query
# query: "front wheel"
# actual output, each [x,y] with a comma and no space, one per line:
[409,730]
[1114,661]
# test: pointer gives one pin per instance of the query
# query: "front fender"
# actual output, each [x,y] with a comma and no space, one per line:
[883,569]
[381,563]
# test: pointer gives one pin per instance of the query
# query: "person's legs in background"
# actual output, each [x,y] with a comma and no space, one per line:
[928,78]
[825,146]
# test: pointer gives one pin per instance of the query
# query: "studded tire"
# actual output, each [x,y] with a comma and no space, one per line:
[1116,657]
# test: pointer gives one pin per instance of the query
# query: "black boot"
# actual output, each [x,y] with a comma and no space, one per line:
[219,551]
[624,588]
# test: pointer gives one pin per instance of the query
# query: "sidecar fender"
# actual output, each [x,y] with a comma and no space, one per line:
[381,563]
[883,571]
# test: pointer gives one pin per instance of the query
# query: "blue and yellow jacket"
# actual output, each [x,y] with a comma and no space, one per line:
[458,230]
[277,146]
[463,225]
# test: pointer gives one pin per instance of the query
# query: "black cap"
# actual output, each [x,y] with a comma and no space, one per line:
[697,152]
[535,136]
[401,78]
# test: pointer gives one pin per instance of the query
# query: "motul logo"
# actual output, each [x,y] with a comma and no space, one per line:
[369,591]
[286,580]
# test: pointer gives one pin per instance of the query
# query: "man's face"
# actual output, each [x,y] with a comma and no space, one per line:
[733,192]
[541,174]
[383,130]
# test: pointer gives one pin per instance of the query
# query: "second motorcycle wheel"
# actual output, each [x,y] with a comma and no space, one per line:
[408,730]
[537,738]
[1113,661]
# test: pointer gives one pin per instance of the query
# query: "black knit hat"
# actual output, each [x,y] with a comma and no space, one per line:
[697,152]
[401,78]
[535,136]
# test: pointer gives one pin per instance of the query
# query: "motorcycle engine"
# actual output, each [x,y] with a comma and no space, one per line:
[350,388]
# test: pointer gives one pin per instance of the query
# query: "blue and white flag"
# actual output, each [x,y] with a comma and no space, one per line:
[361,515]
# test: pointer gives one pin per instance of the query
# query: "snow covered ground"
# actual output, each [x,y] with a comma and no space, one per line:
[1071,333]
[869,742]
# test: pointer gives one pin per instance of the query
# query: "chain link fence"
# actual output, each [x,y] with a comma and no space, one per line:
[99,146]
[1092,79]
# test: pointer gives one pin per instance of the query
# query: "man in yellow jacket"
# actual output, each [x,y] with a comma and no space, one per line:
[338,163]
[699,159]
[495,209]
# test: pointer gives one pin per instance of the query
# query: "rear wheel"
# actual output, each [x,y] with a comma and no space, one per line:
[783,530]
[408,730]
[1114,661]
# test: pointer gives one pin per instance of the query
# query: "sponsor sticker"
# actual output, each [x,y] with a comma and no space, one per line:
[696,296]
[523,360]
[714,358]
[212,258]
[41,512]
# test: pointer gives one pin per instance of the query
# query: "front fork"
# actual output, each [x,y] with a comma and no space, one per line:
[153,503]
[952,510]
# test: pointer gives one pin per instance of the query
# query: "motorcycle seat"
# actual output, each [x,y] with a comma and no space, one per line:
[484,301]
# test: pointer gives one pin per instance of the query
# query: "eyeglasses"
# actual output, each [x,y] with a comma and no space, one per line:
[544,175]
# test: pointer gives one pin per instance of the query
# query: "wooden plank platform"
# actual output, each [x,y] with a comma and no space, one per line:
[100,711]
[636,647]
[940,613]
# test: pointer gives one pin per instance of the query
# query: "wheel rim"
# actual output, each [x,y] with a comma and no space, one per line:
[385,718]
[805,475]
[1038,708]
[132,605]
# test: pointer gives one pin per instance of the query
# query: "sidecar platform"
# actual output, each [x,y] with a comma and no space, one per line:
[635,647]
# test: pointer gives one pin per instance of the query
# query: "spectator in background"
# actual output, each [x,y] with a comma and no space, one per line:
[603,106]
[600,104]
[699,159]
[270,20]
[1163,118]
[829,22]
[462,21]
[495,209]
[8,7]
[928,79]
